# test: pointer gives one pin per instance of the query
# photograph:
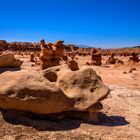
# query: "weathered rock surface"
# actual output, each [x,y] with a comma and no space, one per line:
[8,60]
[73,90]
[120,122]
[35,94]
[85,86]
[95,58]
[51,53]
[32,57]
[111,60]
[134,57]
[73,65]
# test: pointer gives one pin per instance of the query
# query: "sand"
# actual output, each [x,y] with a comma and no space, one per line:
[120,116]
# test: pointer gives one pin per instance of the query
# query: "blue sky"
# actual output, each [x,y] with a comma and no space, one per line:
[98,23]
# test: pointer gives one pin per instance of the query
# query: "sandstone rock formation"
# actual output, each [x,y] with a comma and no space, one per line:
[23,46]
[134,57]
[84,85]
[95,58]
[64,57]
[73,65]
[80,90]
[3,45]
[51,53]
[118,61]
[8,60]
[32,57]
[111,59]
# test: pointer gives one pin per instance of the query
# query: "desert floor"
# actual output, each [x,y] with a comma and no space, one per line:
[120,116]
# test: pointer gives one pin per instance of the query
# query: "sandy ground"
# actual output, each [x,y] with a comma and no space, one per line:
[120,117]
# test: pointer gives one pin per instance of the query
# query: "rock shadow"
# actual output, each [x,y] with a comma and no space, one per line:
[9,69]
[57,123]
[112,120]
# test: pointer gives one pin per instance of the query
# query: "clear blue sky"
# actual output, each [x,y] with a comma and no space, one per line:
[99,23]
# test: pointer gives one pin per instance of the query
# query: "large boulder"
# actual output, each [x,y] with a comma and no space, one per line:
[8,60]
[80,91]
[36,94]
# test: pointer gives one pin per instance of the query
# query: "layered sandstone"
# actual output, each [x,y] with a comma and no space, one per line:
[51,53]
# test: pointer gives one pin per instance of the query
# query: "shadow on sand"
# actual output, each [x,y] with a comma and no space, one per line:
[59,123]
[9,69]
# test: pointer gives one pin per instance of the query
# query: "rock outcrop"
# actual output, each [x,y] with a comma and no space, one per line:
[134,57]
[95,58]
[3,45]
[8,60]
[57,90]
[73,65]
[111,59]
[32,57]
[84,85]
[118,61]
[51,53]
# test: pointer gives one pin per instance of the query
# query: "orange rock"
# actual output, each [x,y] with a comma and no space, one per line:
[51,53]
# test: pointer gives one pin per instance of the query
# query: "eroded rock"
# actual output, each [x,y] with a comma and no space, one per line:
[134,57]
[73,65]
[57,89]
[84,85]
[111,59]
[95,58]
[51,53]
[8,60]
